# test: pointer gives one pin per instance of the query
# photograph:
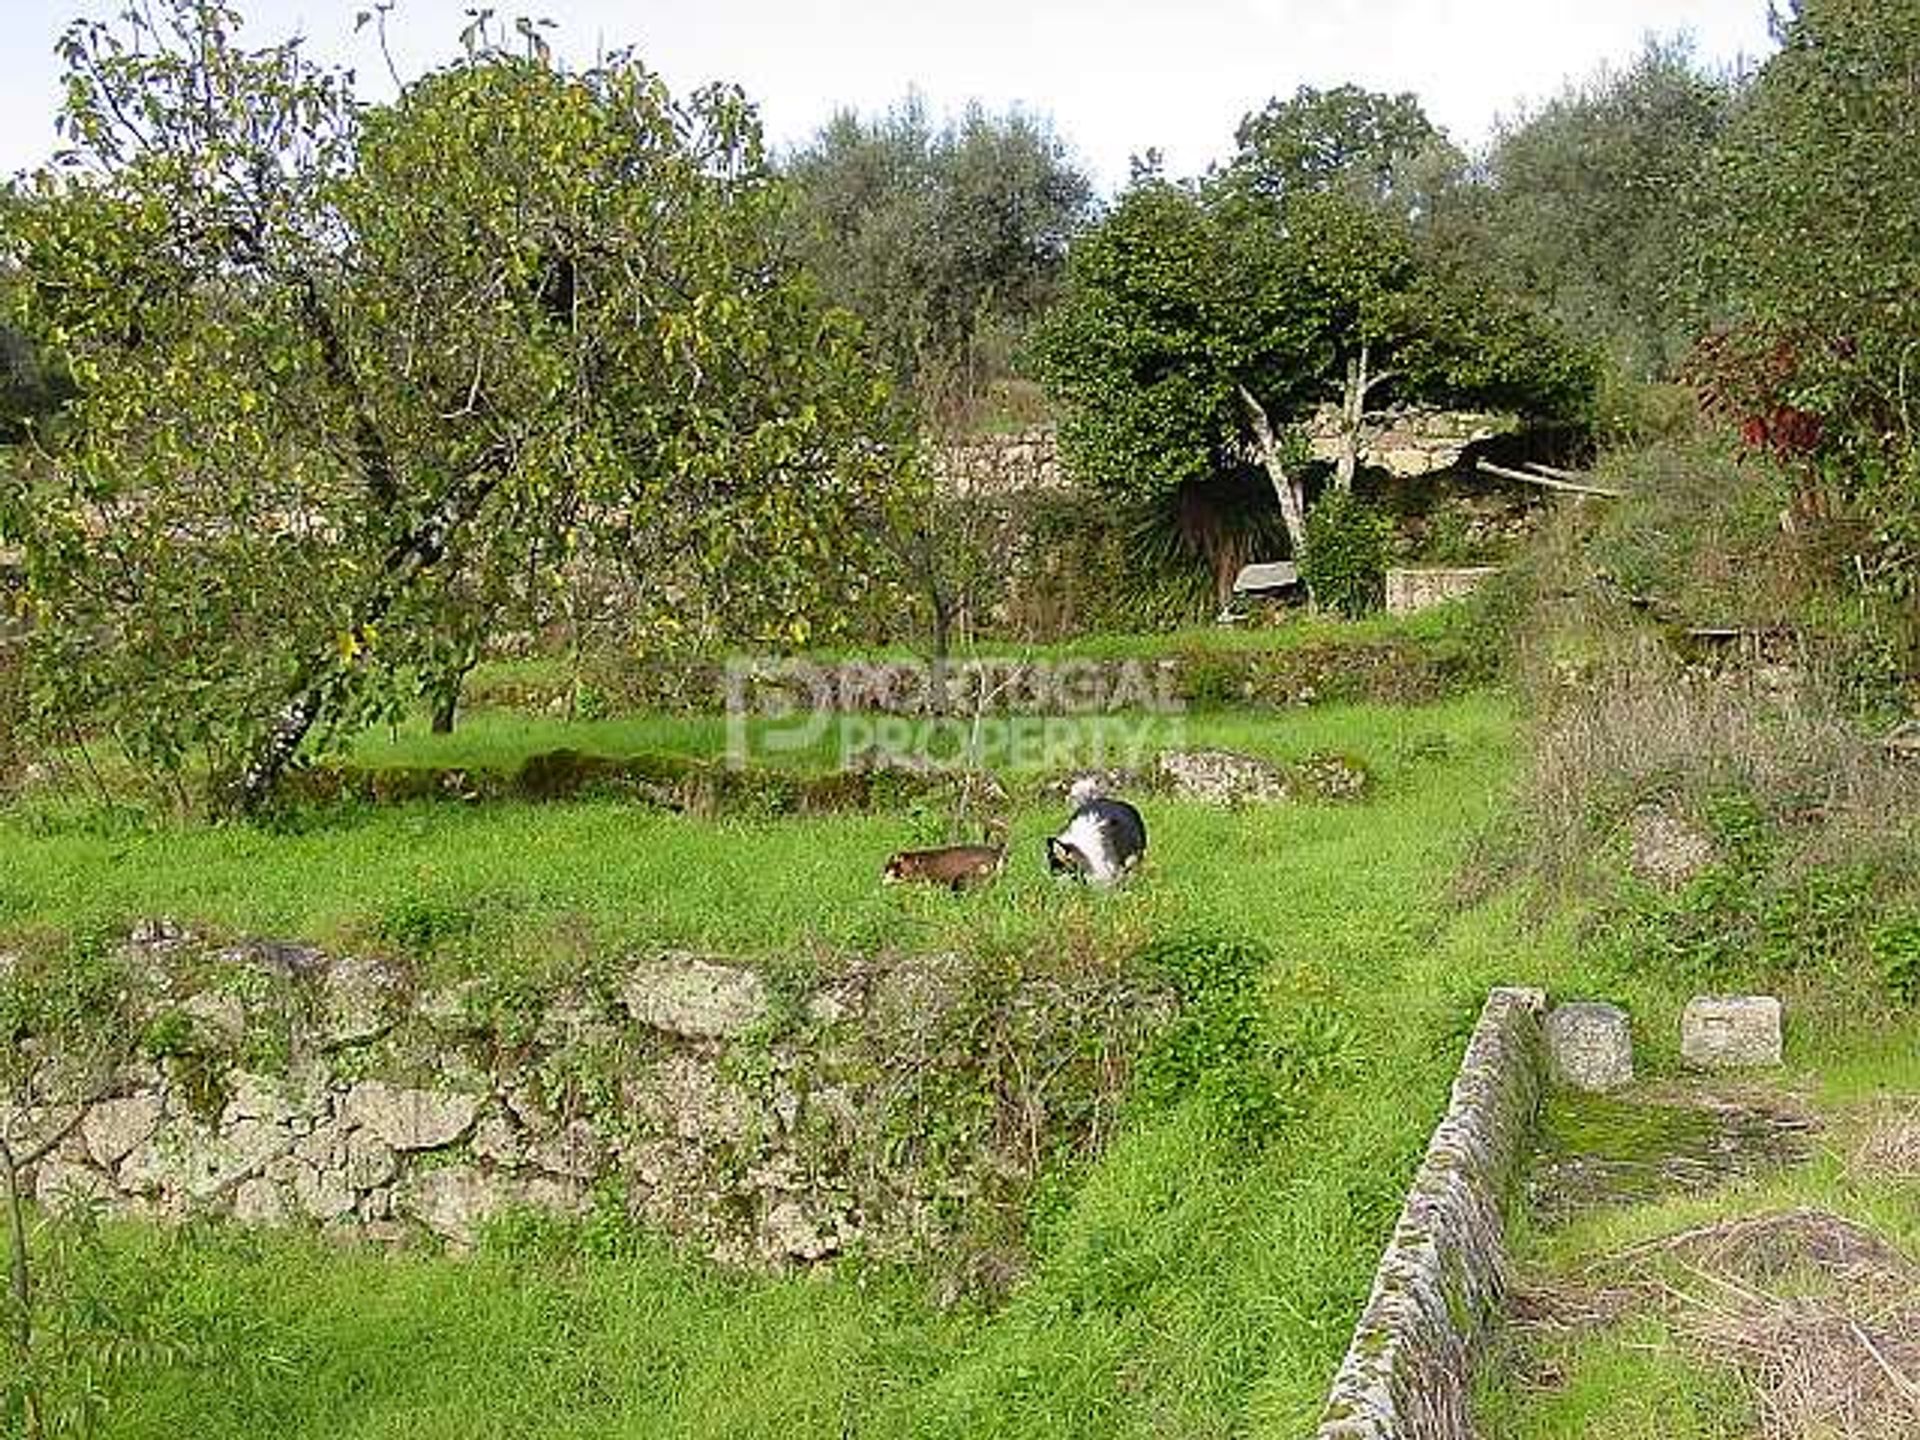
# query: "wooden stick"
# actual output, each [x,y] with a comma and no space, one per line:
[1546,482]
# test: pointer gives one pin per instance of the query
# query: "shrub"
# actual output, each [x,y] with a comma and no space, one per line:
[1225,1051]
[1345,564]
[1895,944]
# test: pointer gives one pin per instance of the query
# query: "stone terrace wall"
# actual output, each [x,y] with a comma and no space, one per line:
[1408,1371]
[769,1123]
[1411,589]
[1023,461]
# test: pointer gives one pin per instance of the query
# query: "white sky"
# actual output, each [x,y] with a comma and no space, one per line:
[1114,78]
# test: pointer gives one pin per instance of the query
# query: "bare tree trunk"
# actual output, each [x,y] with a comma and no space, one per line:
[446,699]
[1286,488]
[405,562]
[1353,413]
[1352,408]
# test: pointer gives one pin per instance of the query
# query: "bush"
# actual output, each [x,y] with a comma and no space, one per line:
[1896,948]
[1252,1071]
[1345,564]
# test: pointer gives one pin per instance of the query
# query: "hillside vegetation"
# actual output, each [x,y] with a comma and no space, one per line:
[388,494]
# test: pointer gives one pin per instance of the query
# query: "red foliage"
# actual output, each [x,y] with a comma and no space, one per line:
[1742,379]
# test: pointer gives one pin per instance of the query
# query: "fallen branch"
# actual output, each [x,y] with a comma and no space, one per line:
[1547,480]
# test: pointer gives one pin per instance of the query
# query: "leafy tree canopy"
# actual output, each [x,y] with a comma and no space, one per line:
[1589,202]
[1200,321]
[1378,148]
[947,240]
[340,371]
[1810,241]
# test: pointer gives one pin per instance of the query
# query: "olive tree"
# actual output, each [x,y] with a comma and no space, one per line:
[946,239]
[348,378]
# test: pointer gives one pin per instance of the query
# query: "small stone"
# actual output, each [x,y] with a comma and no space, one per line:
[114,1128]
[496,1140]
[220,1016]
[576,1151]
[60,1185]
[357,1001]
[685,995]
[411,1119]
[1666,849]
[370,1162]
[1728,1032]
[258,1202]
[325,1146]
[1591,1045]
[323,1194]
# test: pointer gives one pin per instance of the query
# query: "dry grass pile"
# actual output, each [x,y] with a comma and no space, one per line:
[1889,1144]
[1640,721]
[1820,1314]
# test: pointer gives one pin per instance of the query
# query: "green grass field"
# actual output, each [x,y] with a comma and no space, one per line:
[1184,1284]
[516,874]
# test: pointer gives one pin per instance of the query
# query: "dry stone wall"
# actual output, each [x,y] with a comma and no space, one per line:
[1410,589]
[769,1123]
[1012,464]
[1407,1374]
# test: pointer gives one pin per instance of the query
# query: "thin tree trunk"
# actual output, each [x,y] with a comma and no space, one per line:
[1361,383]
[942,651]
[20,1286]
[1286,488]
[1352,408]
[404,564]
[446,701]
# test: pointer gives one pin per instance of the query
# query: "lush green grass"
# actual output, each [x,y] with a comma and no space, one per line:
[517,874]
[1184,1285]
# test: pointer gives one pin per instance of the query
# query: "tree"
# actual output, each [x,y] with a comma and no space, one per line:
[1589,202]
[1379,149]
[1202,322]
[1809,244]
[343,374]
[947,241]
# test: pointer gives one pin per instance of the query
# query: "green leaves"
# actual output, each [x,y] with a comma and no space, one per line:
[947,242]
[353,385]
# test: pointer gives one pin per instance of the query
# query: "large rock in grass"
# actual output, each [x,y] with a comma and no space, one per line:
[685,995]
[1591,1045]
[1730,1032]
[1666,849]
[1220,777]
